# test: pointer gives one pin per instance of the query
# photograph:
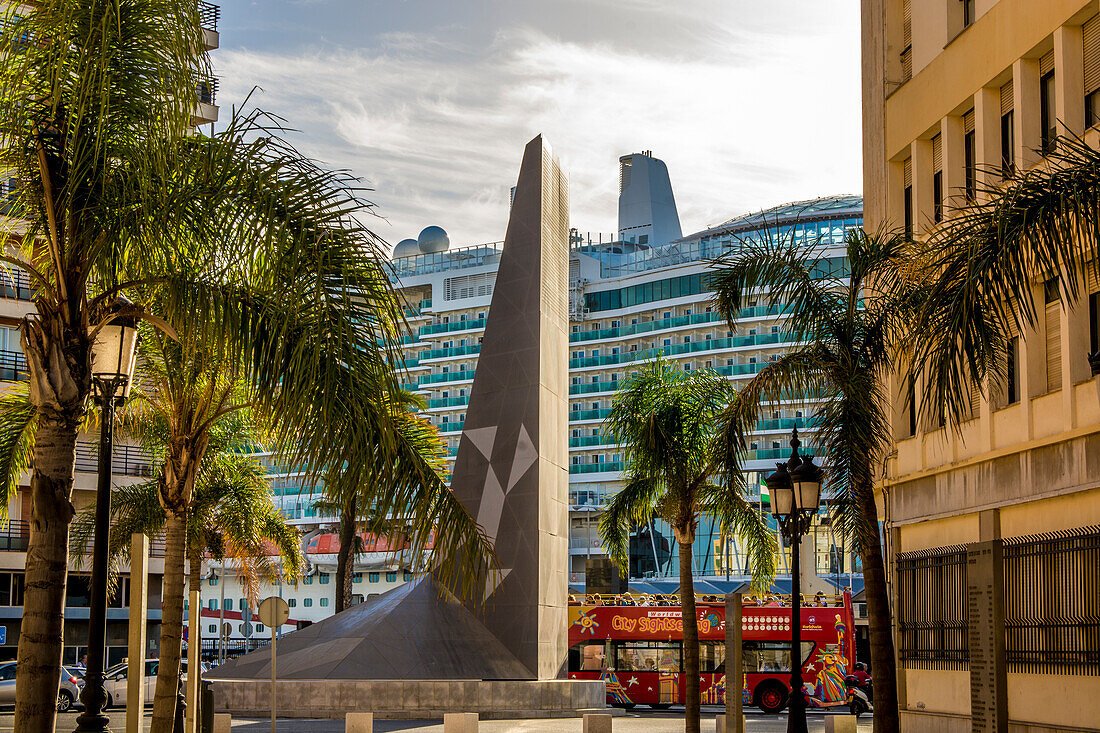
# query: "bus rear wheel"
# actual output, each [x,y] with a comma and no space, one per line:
[771,697]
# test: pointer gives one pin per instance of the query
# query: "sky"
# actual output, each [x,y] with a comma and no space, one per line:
[751,103]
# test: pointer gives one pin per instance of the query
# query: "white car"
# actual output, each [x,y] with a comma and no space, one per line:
[114,681]
[67,694]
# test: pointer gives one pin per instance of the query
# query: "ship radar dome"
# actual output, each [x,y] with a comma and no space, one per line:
[406,248]
[433,239]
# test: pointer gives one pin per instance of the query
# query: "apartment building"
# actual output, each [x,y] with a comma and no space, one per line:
[130,462]
[994,524]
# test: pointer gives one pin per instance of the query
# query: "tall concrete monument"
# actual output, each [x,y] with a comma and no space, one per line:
[511,474]
[511,471]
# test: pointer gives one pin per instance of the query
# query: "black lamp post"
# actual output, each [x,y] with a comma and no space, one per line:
[795,490]
[112,369]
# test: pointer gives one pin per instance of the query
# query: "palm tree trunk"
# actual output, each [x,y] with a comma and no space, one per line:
[346,556]
[883,671]
[41,633]
[171,625]
[686,538]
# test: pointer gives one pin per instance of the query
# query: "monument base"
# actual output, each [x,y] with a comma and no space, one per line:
[409,699]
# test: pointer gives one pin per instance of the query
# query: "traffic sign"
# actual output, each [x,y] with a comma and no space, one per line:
[246,614]
[227,629]
[274,611]
[3,634]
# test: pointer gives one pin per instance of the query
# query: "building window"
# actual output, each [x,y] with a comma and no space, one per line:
[1012,362]
[356,577]
[937,196]
[372,577]
[1047,106]
[292,603]
[968,12]
[908,211]
[212,628]
[228,604]
[307,602]
[391,577]
[1008,144]
[324,602]
[407,576]
[212,604]
[970,155]
[213,580]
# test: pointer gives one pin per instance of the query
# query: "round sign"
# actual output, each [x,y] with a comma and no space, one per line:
[227,629]
[274,611]
[246,614]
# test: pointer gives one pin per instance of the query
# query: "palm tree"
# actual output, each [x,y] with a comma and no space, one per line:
[850,332]
[238,238]
[354,507]
[985,261]
[81,85]
[666,421]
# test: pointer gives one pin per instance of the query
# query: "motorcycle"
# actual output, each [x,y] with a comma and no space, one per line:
[859,696]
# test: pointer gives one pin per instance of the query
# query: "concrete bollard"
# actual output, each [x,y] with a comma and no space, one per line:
[840,724]
[460,723]
[597,723]
[223,723]
[720,724]
[359,723]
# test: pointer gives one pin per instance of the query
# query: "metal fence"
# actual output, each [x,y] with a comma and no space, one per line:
[1052,602]
[933,621]
[13,366]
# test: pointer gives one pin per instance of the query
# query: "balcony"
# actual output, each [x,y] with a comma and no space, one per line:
[15,534]
[603,467]
[14,283]
[209,14]
[126,460]
[13,366]
[206,109]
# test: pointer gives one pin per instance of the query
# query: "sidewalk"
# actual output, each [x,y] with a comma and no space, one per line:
[631,723]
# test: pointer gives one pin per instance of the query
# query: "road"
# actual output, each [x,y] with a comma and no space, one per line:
[633,722]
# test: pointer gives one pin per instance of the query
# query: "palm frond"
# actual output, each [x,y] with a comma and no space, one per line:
[17,429]
[634,505]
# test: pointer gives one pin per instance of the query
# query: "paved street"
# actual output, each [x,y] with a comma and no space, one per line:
[635,722]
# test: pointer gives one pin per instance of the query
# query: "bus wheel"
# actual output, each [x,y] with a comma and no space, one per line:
[771,697]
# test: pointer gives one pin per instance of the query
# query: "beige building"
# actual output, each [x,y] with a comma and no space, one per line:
[994,529]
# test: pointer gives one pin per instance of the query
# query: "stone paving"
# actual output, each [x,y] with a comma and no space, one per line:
[638,722]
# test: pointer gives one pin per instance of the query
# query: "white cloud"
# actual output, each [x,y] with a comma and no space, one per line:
[437,127]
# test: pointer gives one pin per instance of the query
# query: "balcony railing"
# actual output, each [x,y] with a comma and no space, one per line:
[14,283]
[13,366]
[209,14]
[126,460]
[15,534]
[207,90]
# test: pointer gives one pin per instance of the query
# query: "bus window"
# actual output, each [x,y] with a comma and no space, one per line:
[647,656]
[770,656]
[712,656]
[587,657]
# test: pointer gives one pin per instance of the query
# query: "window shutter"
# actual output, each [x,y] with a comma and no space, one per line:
[906,40]
[937,154]
[975,399]
[1091,33]
[968,121]
[907,172]
[1092,278]
[1006,98]
[1046,63]
[1054,346]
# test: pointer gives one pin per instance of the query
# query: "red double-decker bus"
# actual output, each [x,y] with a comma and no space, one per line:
[634,644]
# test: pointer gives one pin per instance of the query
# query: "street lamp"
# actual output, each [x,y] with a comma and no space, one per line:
[112,369]
[795,490]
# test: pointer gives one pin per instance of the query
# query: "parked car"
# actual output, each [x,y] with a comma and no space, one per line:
[114,681]
[67,694]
